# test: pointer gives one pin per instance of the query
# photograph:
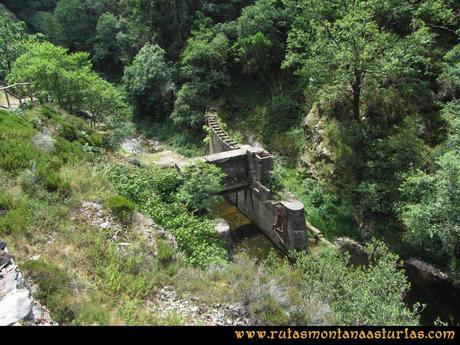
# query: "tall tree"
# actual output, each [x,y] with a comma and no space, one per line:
[12,36]
[148,81]
[339,44]
[74,22]
[171,20]
[204,70]
[106,48]
[262,31]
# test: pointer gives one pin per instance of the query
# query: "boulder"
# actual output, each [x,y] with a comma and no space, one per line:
[8,281]
[435,288]
[223,229]
[425,271]
[134,161]
[17,306]
[5,259]
[132,146]
[14,307]
[358,257]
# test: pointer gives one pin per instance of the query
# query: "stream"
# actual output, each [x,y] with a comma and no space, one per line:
[246,236]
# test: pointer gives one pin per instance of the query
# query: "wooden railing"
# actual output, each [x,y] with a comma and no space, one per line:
[20,91]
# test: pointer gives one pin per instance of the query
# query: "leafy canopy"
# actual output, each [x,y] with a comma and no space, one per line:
[201,184]
[12,39]
[371,295]
[340,47]
[148,81]
[68,80]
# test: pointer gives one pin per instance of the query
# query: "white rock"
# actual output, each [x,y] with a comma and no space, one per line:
[14,307]
[105,225]
[8,282]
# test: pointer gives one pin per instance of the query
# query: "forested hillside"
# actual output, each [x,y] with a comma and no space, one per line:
[358,100]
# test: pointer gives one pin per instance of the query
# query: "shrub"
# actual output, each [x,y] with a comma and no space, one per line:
[70,152]
[69,132]
[134,184]
[362,296]
[44,177]
[14,222]
[13,126]
[201,184]
[5,202]
[196,237]
[49,180]
[54,290]
[166,182]
[94,139]
[16,155]
[165,252]
[29,181]
[48,112]
[121,207]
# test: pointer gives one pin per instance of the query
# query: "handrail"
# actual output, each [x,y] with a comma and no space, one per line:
[10,86]
[22,99]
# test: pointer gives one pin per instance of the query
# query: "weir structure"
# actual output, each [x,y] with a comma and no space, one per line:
[248,171]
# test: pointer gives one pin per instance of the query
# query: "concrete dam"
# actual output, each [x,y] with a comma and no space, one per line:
[248,170]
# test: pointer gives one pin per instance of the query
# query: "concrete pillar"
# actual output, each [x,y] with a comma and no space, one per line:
[296,228]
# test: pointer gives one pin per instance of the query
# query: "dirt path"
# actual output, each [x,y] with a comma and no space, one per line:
[149,153]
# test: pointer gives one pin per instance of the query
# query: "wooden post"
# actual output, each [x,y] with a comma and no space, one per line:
[29,91]
[7,98]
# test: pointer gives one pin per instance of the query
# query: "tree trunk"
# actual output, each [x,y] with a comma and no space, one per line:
[357,98]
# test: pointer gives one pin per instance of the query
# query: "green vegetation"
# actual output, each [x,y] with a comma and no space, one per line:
[54,289]
[68,80]
[121,207]
[148,81]
[12,38]
[359,99]
[204,70]
[377,301]
[86,278]
[152,191]
[324,208]
[201,182]
[185,143]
